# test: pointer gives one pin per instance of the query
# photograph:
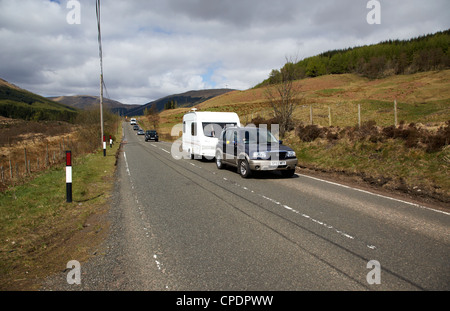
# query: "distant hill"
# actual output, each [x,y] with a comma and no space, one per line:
[18,103]
[86,102]
[187,99]
[387,58]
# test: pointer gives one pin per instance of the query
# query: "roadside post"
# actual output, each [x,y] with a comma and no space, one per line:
[104,145]
[69,176]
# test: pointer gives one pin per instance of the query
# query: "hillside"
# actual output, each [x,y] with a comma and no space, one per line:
[86,102]
[388,58]
[18,103]
[187,99]
[421,97]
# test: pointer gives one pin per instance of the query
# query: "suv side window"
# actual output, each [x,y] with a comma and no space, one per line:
[229,136]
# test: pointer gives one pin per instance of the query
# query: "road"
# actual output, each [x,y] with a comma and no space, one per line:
[185,225]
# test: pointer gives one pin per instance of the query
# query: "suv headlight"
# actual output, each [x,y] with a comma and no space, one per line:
[261,155]
[290,154]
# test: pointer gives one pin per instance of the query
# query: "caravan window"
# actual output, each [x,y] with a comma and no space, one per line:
[194,128]
[213,129]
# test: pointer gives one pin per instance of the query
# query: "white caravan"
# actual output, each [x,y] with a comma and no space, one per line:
[201,130]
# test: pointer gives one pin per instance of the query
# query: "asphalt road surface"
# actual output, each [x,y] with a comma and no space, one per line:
[185,225]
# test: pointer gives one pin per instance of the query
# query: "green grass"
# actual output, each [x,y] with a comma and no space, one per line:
[329,92]
[411,169]
[37,221]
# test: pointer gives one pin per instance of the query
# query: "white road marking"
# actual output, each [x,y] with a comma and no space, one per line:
[313,220]
[126,163]
[375,194]
[158,264]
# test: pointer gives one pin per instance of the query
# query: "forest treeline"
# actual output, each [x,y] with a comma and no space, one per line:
[424,53]
[21,104]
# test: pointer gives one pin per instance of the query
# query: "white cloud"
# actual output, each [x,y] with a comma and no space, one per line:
[156,48]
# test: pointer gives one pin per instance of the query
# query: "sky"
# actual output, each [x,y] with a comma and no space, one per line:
[152,49]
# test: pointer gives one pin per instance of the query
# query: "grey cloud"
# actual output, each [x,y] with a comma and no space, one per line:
[154,48]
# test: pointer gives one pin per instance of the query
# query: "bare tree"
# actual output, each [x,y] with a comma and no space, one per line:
[152,116]
[284,95]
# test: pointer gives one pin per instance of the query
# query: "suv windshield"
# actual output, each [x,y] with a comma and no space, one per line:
[258,136]
[213,129]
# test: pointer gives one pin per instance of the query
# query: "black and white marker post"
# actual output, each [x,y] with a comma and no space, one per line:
[104,145]
[69,176]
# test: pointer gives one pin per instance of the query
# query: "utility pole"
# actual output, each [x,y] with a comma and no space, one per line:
[97,8]
[101,108]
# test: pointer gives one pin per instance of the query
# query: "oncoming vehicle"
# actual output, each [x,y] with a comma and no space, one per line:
[140,132]
[133,121]
[201,131]
[135,127]
[151,135]
[254,149]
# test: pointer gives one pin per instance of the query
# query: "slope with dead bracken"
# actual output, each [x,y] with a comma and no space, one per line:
[342,93]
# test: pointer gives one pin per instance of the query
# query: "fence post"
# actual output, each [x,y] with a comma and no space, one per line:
[26,162]
[395,112]
[359,115]
[329,116]
[47,158]
[310,114]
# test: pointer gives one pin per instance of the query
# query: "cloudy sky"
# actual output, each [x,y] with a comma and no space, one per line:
[155,48]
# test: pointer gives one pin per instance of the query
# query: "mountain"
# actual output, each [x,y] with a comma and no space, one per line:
[18,103]
[187,99]
[87,102]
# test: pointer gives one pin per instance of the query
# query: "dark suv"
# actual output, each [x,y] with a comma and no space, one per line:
[253,149]
[151,135]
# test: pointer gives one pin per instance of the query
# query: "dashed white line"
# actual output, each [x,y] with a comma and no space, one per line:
[314,220]
[375,194]
[126,163]
[158,264]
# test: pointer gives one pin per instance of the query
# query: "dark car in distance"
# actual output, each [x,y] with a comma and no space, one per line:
[136,127]
[151,135]
[253,149]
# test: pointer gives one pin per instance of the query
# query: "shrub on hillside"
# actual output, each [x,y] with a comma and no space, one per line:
[412,135]
[309,133]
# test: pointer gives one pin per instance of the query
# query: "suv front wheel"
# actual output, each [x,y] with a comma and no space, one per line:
[244,168]
[219,162]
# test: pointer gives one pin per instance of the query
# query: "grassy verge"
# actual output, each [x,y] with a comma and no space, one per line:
[389,164]
[41,232]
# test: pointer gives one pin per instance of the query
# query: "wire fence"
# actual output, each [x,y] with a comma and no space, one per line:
[25,161]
